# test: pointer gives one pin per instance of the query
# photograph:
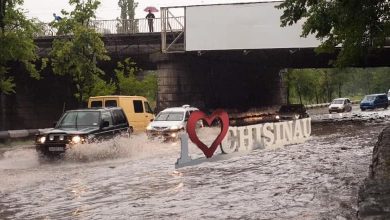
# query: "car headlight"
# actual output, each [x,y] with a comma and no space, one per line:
[76,139]
[42,139]
[149,127]
[277,117]
[174,127]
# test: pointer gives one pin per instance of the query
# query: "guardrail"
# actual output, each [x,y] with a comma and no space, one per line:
[320,105]
[119,26]
[14,134]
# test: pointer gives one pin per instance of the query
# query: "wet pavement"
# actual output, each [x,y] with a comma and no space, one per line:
[135,178]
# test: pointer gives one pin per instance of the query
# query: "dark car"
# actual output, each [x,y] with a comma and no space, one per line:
[292,112]
[82,126]
[374,101]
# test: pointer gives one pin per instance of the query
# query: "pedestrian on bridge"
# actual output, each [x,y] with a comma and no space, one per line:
[150,16]
[56,17]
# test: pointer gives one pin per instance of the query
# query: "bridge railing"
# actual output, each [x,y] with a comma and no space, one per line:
[119,26]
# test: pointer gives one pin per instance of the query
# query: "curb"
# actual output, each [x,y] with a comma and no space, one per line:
[12,134]
[325,105]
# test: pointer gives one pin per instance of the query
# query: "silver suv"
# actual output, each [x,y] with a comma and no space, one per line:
[169,122]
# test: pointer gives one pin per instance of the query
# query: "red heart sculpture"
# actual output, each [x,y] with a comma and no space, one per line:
[191,125]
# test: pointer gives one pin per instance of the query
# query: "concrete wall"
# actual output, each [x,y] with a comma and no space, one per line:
[37,103]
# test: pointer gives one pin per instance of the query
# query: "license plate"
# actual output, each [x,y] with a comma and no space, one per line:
[56,149]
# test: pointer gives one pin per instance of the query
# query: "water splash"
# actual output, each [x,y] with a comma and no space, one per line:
[135,147]
[20,158]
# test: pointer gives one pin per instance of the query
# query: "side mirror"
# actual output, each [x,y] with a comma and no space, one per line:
[104,124]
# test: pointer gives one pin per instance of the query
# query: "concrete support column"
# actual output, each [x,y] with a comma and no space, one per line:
[176,82]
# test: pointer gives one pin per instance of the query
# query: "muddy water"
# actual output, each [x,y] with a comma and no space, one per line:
[135,179]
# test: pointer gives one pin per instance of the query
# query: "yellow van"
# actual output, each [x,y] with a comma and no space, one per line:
[136,108]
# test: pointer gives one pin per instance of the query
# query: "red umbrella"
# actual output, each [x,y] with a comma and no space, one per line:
[151,9]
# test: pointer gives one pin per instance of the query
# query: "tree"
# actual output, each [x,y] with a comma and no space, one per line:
[127,22]
[127,8]
[16,44]
[358,26]
[77,54]
[128,84]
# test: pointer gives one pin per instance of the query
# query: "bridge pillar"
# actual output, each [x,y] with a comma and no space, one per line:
[210,82]
[177,81]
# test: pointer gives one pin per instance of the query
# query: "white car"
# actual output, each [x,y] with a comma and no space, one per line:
[169,122]
[340,105]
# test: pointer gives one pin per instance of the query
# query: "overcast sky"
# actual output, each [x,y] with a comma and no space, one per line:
[44,9]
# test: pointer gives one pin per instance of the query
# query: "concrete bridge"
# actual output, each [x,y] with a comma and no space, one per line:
[234,61]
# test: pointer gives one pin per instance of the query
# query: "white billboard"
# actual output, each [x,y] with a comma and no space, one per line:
[241,26]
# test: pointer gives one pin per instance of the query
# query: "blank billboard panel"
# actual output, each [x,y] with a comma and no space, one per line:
[241,26]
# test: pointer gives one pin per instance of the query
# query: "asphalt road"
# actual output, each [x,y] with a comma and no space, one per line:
[136,178]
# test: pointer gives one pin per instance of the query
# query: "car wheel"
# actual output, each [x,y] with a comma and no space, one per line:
[386,106]
[126,134]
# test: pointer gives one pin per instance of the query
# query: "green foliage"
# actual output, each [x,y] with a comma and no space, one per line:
[357,26]
[16,43]
[309,86]
[128,84]
[77,55]
[127,8]
[126,21]
[101,87]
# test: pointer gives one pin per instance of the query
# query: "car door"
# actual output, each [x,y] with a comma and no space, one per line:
[120,122]
[384,101]
[149,115]
[381,101]
[106,132]
[141,119]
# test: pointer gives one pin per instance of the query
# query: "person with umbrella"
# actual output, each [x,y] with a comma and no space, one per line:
[150,16]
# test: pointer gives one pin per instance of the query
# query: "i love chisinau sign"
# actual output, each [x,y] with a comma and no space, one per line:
[241,139]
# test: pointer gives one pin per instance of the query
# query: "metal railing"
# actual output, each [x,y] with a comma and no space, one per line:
[168,20]
[119,26]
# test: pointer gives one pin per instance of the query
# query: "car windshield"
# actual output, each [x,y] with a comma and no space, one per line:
[79,119]
[338,101]
[170,116]
[292,108]
[369,98]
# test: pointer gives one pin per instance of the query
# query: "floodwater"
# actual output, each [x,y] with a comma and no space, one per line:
[136,178]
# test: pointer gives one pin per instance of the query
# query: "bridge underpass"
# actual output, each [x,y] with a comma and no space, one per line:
[201,75]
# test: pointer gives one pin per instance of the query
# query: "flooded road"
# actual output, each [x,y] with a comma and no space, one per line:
[136,179]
